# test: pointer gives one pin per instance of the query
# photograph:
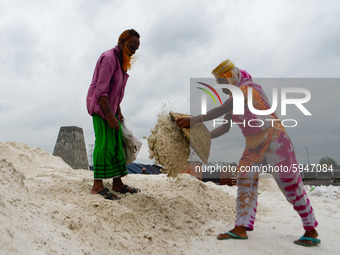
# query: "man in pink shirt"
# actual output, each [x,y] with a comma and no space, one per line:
[103,104]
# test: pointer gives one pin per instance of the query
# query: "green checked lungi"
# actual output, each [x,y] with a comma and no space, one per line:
[108,155]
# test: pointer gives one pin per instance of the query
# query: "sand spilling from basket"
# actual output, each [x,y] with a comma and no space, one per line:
[168,145]
[198,135]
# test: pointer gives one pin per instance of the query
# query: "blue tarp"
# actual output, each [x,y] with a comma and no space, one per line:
[136,168]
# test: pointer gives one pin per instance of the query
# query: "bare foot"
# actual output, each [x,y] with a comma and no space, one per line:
[238,230]
[97,186]
[119,186]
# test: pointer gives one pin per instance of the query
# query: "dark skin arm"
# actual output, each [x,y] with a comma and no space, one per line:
[120,115]
[212,114]
[221,130]
[111,119]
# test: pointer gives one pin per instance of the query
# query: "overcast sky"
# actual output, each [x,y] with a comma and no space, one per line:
[49,50]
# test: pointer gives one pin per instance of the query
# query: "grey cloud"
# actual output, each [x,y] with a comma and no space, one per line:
[49,50]
[21,41]
[180,30]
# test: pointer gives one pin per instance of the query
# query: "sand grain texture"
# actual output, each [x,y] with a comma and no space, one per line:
[46,208]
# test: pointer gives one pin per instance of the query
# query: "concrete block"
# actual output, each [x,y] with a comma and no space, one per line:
[70,146]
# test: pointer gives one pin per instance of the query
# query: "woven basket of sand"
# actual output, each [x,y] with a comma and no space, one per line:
[198,135]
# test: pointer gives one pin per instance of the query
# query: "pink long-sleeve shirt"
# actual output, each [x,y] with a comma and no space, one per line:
[108,80]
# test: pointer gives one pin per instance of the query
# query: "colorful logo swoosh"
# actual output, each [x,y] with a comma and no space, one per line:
[212,89]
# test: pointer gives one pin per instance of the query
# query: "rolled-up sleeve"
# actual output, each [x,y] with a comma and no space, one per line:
[105,74]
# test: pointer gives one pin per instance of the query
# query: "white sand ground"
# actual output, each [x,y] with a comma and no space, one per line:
[46,208]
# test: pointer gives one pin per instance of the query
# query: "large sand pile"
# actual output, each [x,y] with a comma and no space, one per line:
[46,208]
[168,145]
[26,225]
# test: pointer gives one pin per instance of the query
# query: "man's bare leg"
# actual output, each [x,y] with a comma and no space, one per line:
[97,186]
[118,185]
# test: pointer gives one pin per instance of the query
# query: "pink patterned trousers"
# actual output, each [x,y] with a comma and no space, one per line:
[280,154]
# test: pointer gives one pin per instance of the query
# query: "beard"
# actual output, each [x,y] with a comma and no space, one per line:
[128,59]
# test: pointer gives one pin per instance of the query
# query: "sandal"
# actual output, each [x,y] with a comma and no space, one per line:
[230,236]
[107,195]
[127,189]
[314,241]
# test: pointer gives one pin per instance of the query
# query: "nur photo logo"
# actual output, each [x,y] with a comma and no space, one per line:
[288,96]
[209,93]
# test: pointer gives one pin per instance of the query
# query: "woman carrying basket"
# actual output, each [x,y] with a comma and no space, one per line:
[268,144]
